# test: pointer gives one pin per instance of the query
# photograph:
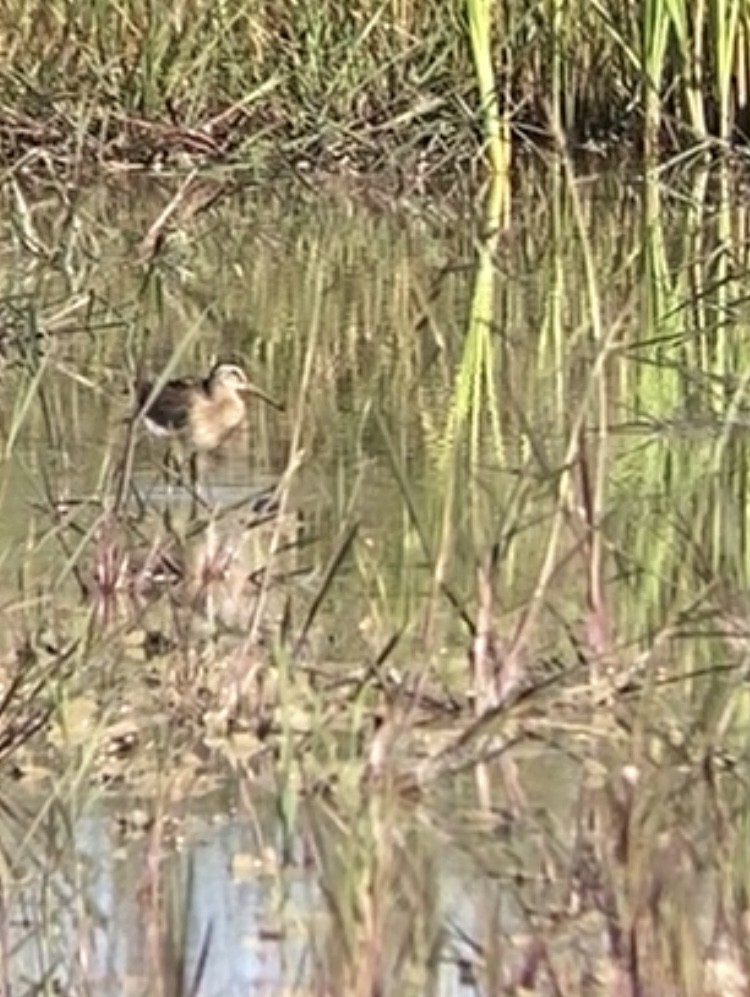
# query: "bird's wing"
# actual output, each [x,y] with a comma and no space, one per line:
[171,406]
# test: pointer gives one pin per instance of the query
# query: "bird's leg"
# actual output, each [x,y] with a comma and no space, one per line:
[194,498]
[172,467]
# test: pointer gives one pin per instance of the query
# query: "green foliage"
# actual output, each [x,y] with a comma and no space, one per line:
[363,80]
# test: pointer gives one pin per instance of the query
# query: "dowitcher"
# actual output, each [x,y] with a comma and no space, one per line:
[204,412]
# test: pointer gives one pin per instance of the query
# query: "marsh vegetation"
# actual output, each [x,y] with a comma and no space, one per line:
[435,681]
[386,90]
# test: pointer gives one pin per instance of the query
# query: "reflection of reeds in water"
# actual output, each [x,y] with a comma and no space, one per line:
[232,563]
[217,570]
[549,360]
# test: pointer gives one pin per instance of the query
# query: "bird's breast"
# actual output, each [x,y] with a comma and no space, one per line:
[211,421]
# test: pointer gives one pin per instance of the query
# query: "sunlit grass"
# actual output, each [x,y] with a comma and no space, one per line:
[382,89]
[523,451]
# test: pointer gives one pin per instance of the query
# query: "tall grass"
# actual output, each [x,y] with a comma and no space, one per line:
[364,84]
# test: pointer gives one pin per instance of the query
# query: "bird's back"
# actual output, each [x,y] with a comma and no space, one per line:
[169,412]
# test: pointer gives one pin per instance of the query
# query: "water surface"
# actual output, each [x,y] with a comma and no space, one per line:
[620,349]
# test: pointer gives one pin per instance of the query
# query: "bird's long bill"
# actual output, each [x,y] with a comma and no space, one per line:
[253,389]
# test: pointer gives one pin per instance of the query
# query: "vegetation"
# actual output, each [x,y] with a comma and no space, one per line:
[384,88]
[500,579]
[459,641]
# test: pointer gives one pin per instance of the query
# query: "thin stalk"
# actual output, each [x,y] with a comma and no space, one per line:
[496,131]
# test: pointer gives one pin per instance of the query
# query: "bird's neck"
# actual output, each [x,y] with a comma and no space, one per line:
[222,393]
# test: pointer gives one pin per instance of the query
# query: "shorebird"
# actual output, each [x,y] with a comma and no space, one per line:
[204,412]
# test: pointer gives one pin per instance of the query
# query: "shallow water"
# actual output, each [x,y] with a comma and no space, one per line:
[435,450]
[215,902]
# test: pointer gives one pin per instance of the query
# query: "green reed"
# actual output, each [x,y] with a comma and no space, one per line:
[358,83]
[496,131]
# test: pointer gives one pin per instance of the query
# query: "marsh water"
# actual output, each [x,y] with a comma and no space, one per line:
[619,330]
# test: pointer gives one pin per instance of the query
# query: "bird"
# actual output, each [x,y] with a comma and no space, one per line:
[204,412]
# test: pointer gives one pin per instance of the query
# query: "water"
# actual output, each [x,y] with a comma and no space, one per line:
[213,900]
[619,351]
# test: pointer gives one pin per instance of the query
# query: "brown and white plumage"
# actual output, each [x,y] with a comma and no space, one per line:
[205,412]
